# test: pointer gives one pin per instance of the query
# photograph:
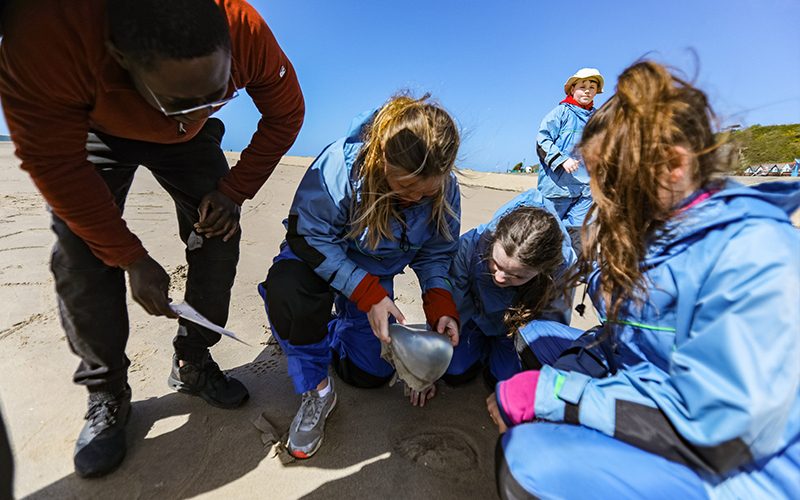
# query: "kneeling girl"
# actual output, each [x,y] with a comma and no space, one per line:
[382,198]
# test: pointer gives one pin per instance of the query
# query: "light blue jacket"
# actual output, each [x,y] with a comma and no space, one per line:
[321,216]
[710,364]
[559,134]
[477,297]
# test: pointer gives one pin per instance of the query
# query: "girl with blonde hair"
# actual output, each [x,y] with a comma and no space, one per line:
[382,198]
[694,393]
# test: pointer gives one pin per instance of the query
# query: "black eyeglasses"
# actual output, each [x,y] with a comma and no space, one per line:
[211,106]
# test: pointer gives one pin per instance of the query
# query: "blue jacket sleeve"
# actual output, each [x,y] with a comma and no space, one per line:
[731,386]
[318,221]
[432,262]
[546,148]
[461,270]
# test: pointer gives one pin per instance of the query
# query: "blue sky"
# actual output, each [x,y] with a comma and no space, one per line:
[499,66]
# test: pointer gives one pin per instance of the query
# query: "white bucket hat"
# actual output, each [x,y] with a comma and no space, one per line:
[582,74]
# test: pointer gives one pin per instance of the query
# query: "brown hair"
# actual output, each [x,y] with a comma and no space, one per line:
[628,147]
[533,237]
[416,136]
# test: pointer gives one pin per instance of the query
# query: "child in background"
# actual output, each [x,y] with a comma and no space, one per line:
[699,396]
[506,277]
[382,198]
[563,178]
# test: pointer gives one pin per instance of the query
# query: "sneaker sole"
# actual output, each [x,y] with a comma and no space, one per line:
[178,386]
[299,454]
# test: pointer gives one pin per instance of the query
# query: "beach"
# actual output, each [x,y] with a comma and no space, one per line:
[376,443]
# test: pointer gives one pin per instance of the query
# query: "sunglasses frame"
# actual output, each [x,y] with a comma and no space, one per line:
[212,106]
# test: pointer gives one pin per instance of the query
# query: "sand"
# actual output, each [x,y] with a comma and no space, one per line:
[376,443]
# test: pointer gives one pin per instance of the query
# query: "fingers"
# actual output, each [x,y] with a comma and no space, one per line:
[494,413]
[232,232]
[398,315]
[227,226]
[448,326]
[453,334]
[159,306]
[379,322]
[155,302]
[202,210]
[214,218]
[218,216]
[149,285]
[419,398]
[219,223]
[429,394]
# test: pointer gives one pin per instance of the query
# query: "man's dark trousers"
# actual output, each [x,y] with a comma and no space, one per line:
[91,295]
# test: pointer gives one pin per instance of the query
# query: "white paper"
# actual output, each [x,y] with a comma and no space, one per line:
[188,313]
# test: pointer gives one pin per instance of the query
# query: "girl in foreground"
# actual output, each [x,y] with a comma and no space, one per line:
[505,277]
[382,198]
[696,281]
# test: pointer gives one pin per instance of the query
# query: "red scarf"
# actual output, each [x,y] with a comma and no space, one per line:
[570,100]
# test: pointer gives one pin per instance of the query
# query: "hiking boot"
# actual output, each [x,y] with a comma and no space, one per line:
[101,444]
[308,426]
[207,381]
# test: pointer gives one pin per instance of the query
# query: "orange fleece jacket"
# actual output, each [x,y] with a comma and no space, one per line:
[57,81]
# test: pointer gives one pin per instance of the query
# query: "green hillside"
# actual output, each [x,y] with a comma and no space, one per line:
[773,144]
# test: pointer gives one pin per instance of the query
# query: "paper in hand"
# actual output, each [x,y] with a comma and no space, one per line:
[188,313]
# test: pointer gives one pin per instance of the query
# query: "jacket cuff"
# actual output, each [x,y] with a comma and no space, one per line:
[224,188]
[368,293]
[438,302]
[130,258]
[516,397]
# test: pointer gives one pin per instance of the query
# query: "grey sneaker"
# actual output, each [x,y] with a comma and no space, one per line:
[308,426]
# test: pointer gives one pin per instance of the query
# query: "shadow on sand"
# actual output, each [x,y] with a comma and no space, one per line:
[179,447]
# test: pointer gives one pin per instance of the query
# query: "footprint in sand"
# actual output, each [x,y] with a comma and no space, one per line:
[442,451]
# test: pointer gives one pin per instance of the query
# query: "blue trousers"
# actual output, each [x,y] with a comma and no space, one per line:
[548,460]
[572,211]
[545,339]
[298,305]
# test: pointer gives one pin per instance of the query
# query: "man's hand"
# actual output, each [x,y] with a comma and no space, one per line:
[448,326]
[494,412]
[378,317]
[150,286]
[219,215]
[571,165]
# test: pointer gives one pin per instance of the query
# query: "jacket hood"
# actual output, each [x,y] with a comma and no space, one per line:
[354,132]
[733,203]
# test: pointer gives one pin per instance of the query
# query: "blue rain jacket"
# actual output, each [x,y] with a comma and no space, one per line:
[559,134]
[709,366]
[320,218]
[477,297]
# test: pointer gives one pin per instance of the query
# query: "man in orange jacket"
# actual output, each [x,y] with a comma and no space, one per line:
[91,89]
